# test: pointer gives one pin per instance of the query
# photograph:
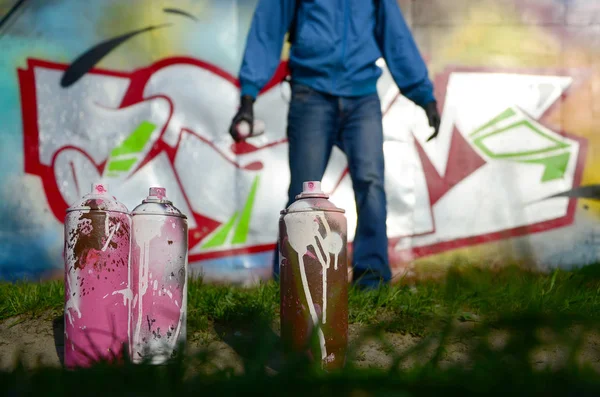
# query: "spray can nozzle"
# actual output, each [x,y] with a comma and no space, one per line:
[99,188]
[312,189]
[157,193]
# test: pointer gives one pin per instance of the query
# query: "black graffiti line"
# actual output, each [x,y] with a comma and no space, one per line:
[180,12]
[86,61]
[590,192]
[11,12]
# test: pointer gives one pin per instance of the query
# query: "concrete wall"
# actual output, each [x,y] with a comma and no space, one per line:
[512,176]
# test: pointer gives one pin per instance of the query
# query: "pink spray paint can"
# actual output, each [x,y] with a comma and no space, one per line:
[97,279]
[159,273]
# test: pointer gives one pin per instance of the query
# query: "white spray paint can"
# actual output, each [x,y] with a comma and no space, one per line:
[159,249]
[243,129]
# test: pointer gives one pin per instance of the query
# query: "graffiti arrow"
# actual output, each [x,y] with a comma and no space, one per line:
[463,160]
[86,61]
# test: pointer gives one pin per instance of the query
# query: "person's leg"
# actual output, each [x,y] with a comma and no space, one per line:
[361,138]
[311,131]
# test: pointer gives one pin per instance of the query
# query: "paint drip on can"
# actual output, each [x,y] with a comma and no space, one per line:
[313,277]
[159,250]
[97,279]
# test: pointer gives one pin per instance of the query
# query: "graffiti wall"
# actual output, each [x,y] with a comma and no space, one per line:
[141,93]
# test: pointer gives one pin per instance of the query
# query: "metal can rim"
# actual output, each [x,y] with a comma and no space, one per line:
[313,209]
[159,214]
[95,210]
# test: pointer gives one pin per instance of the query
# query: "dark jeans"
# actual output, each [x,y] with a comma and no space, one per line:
[317,122]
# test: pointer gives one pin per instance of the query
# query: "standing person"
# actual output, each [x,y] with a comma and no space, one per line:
[334,101]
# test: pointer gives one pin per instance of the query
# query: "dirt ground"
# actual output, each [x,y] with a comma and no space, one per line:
[39,341]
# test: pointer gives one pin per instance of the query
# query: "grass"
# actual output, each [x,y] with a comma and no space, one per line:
[468,293]
[31,299]
[564,303]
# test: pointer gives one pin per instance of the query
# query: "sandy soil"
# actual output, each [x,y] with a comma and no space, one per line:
[39,341]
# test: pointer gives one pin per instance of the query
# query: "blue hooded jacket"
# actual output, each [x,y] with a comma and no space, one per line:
[336,45]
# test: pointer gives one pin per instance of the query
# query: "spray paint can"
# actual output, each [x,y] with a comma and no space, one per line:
[313,277]
[243,129]
[97,279]
[159,250]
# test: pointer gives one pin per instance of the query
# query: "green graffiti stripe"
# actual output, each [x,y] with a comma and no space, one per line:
[121,165]
[136,141]
[502,116]
[479,142]
[241,231]
[221,236]
[555,166]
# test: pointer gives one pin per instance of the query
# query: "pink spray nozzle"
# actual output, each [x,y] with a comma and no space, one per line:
[311,187]
[99,188]
[158,192]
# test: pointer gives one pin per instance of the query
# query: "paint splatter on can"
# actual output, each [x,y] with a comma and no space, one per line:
[97,279]
[313,277]
[159,249]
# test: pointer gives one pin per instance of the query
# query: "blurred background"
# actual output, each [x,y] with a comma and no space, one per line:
[513,177]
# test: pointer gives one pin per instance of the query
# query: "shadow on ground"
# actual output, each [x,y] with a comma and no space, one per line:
[257,345]
[58,330]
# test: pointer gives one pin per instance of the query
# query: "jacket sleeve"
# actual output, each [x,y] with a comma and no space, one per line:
[402,55]
[270,23]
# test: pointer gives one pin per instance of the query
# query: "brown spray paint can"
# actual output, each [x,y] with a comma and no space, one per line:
[313,277]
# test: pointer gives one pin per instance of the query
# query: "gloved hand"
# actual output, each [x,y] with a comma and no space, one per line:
[434,118]
[245,113]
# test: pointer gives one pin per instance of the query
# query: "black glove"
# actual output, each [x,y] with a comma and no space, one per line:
[245,113]
[434,118]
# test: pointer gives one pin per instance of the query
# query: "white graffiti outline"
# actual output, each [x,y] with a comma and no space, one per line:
[428,242]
